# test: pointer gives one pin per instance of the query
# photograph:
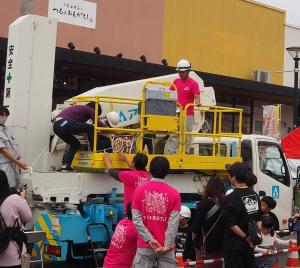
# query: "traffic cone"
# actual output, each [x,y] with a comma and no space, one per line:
[179,259]
[293,258]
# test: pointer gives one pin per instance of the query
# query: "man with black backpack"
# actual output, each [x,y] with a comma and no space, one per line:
[242,218]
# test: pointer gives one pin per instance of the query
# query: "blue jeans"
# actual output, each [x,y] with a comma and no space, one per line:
[66,129]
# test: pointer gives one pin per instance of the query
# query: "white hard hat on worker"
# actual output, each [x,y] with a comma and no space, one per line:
[113,118]
[183,65]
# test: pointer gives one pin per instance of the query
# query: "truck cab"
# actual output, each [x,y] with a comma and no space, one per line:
[265,158]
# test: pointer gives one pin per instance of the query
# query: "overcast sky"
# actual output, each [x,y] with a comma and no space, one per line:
[291,6]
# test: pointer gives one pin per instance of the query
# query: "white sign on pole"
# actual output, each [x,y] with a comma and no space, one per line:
[77,12]
[9,73]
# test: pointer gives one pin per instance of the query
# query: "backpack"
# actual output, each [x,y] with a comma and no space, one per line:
[13,233]
[4,235]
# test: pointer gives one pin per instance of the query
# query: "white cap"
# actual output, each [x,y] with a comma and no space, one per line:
[113,118]
[183,65]
[185,212]
[228,192]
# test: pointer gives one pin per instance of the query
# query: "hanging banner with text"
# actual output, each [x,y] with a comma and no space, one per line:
[78,12]
[271,120]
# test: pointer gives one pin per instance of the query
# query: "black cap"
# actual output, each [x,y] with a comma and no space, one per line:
[251,180]
[239,170]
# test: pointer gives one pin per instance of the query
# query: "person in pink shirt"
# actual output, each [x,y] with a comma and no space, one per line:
[131,178]
[14,212]
[123,244]
[187,92]
[156,213]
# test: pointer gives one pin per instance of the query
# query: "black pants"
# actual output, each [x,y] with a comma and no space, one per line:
[239,259]
[65,129]
[148,140]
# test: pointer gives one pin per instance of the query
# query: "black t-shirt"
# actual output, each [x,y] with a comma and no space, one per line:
[184,244]
[180,239]
[214,241]
[237,204]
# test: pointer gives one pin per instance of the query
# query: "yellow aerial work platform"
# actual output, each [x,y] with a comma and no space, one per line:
[129,139]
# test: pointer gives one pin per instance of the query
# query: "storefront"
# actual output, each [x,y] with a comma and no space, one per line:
[77,72]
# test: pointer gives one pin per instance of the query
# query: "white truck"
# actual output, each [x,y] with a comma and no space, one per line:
[77,204]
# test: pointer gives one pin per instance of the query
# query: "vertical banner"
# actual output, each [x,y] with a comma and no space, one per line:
[29,83]
[271,120]
[9,73]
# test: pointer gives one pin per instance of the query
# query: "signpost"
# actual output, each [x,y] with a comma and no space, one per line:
[77,12]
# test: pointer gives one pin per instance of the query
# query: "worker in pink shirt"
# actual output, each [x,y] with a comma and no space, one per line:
[131,178]
[187,92]
[123,245]
[156,213]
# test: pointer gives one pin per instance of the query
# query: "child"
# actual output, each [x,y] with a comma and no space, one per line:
[268,204]
[269,243]
[183,240]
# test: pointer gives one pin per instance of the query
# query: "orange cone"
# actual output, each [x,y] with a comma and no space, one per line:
[293,259]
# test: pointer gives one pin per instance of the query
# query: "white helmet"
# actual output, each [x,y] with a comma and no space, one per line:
[113,118]
[185,212]
[183,65]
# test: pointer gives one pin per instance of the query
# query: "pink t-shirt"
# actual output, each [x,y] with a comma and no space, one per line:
[122,247]
[132,179]
[14,207]
[155,200]
[186,91]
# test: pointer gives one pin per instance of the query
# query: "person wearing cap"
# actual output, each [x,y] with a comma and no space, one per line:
[183,240]
[72,121]
[267,204]
[251,181]
[243,203]
[188,92]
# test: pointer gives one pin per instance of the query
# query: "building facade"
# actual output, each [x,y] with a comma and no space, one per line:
[226,41]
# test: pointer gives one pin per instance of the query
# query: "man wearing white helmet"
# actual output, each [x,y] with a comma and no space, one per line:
[112,119]
[188,92]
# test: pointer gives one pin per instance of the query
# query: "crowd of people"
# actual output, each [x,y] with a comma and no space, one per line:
[157,225]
